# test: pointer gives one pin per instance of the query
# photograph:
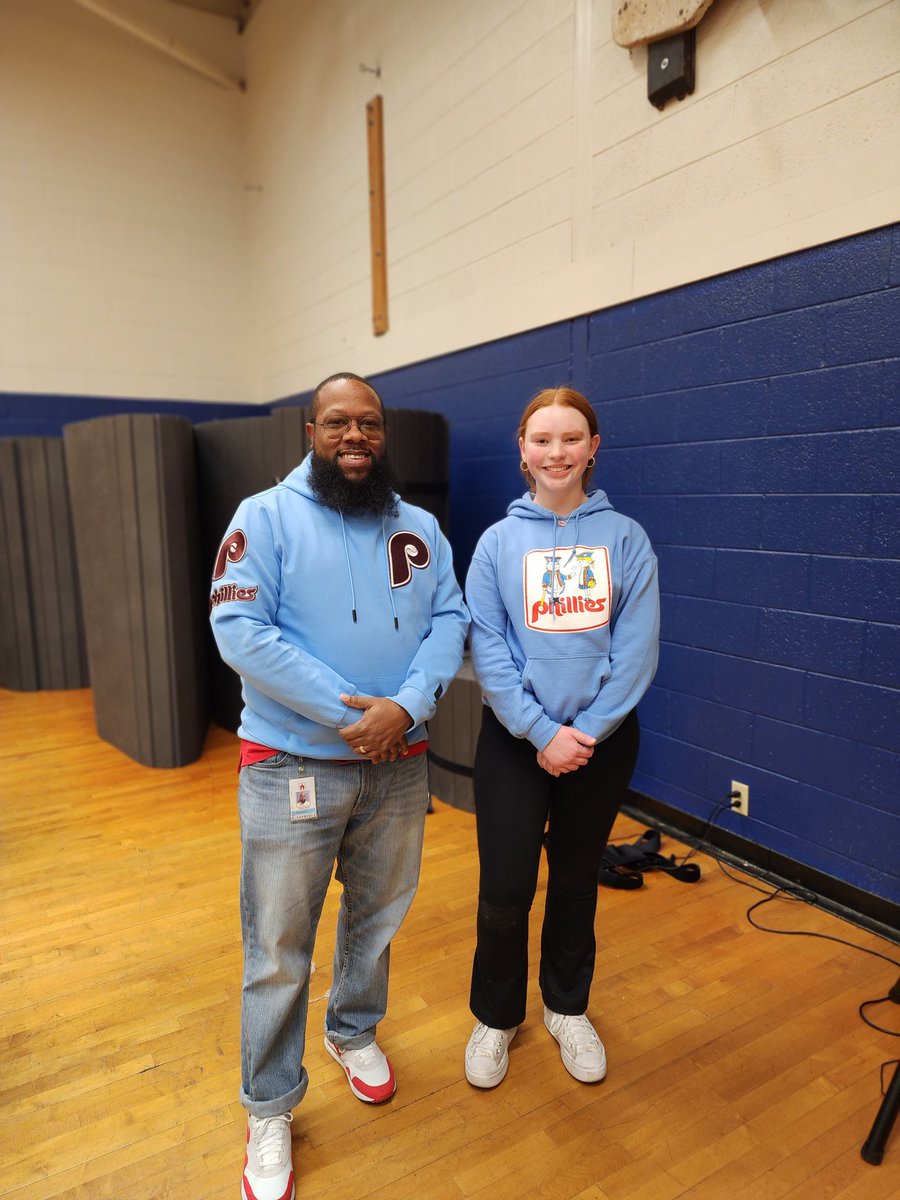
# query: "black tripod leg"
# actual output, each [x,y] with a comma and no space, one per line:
[873,1147]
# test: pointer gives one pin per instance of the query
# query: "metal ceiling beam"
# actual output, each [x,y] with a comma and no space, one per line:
[161,41]
[235,10]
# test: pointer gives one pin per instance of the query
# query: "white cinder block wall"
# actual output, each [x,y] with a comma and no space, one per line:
[223,239]
[528,176]
[122,207]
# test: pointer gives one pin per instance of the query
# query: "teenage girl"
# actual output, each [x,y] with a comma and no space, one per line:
[565,623]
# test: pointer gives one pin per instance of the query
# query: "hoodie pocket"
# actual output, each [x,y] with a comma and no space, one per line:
[563,686]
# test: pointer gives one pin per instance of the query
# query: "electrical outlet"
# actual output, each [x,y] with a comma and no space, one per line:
[741,802]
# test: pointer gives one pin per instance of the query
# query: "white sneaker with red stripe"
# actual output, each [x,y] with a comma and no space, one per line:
[268,1174]
[369,1073]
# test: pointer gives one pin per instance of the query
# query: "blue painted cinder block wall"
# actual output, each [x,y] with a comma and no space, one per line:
[750,423]
[29,415]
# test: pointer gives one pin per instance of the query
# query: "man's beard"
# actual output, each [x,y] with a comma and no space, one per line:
[370,497]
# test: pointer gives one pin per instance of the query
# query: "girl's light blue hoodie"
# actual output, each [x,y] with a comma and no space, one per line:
[308,603]
[565,618]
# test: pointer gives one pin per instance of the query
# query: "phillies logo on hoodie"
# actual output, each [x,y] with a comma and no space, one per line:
[567,590]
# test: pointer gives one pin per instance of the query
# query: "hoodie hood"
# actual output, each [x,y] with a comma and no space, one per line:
[298,479]
[527,507]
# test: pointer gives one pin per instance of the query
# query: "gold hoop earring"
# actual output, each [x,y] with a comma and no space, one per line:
[591,461]
[523,465]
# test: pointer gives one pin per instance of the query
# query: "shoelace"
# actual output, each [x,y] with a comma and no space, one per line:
[488,1042]
[579,1034]
[366,1057]
[269,1139]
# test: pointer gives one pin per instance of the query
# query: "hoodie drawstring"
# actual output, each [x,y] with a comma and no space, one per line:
[388,569]
[575,543]
[553,572]
[565,564]
[347,561]
[350,571]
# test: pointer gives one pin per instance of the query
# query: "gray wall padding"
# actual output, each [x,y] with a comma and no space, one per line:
[42,643]
[235,459]
[419,451]
[290,445]
[452,738]
[132,480]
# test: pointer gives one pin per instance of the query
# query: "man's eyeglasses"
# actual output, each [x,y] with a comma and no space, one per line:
[336,427]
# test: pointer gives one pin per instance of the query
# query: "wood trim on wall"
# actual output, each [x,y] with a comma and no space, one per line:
[375,138]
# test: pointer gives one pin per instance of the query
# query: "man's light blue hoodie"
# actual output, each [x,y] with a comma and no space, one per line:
[308,603]
[565,618]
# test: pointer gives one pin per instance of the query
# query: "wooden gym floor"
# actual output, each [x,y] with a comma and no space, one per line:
[739,1067]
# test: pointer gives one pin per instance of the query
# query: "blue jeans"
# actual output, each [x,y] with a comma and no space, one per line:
[371,821]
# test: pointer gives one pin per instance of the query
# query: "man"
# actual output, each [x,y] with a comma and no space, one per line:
[337,604]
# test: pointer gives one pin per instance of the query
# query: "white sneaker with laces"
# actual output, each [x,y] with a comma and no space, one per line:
[487,1055]
[370,1075]
[268,1173]
[579,1046]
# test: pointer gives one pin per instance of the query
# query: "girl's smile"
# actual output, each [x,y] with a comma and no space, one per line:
[556,448]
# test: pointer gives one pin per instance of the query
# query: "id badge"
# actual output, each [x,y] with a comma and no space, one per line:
[303,798]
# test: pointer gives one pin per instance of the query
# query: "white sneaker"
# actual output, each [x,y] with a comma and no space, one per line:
[579,1046]
[370,1075]
[268,1174]
[487,1057]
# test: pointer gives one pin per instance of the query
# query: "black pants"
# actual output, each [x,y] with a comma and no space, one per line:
[514,801]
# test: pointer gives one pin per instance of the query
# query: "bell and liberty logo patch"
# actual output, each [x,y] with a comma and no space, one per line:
[567,589]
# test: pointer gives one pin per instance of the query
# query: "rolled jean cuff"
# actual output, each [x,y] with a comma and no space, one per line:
[351,1043]
[274,1108]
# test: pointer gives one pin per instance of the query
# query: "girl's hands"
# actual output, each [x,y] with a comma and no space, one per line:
[566,751]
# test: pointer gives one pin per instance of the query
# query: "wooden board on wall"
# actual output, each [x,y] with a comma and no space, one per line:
[377,221]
